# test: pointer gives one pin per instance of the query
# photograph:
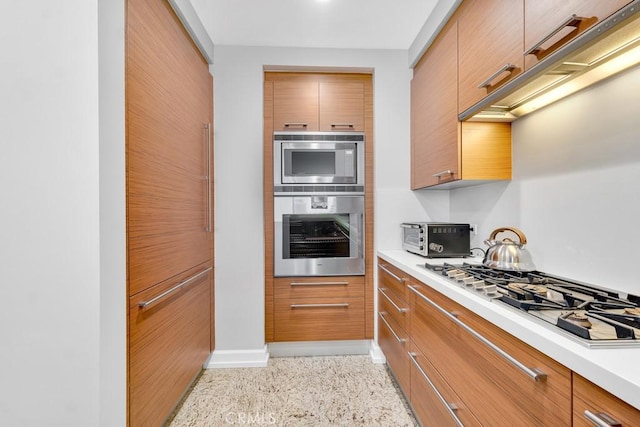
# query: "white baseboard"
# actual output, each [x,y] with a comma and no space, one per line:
[319,348]
[238,359]
[377,356]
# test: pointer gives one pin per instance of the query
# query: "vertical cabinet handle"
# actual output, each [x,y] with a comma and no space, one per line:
[207,128]
[533,373]
[572,21]
[504,69]
[601,419]
[449,406]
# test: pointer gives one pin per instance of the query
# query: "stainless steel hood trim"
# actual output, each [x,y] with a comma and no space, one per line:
[606,26]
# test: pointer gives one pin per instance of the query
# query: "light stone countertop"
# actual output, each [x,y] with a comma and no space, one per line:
[616,370]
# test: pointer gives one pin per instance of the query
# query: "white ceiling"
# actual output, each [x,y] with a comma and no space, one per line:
[361,24]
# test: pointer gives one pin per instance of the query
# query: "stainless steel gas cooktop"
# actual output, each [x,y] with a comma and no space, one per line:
[593,316]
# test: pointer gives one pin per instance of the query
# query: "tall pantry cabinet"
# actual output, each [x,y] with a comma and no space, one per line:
[169,157]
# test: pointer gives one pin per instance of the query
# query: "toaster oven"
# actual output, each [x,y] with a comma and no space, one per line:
[437,239]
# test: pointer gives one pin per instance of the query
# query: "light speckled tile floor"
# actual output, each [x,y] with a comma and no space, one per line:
[297,391]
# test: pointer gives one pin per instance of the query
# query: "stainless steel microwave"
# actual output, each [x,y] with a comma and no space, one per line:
[437,239]
[324,162]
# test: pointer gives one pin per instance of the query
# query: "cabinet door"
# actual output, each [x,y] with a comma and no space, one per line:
[549,25]
[168,341]
[434,107]
[479,374]
[168,144]
[591,403]
[341,106]
[490,47]
[295,105]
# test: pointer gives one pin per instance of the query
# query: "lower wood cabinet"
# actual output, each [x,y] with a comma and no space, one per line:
[319,308]
[594,406]
[169,338]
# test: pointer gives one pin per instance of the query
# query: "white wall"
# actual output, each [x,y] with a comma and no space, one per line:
[49,221]
[574,193]
[238,113]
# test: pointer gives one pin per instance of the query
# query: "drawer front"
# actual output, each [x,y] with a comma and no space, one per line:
[169,340]
[430,396]
[398,309]
[592,402]
[393,340]
[318,287]
[318,319]
[390,277]
[477,370]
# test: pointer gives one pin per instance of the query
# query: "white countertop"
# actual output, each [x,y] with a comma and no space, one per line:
[617,370]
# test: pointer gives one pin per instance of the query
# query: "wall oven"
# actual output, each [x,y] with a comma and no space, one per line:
[318,235]
[318,162]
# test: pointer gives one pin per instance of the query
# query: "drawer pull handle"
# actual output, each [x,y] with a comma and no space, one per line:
[533,373]
[342,125]
[451,408]
[505,68]
[400,309]
[145,304]
[340,304]
[298,125]
[400,340]
[601,419]
[319,283]
[443,173]
[572,21]
[390,273]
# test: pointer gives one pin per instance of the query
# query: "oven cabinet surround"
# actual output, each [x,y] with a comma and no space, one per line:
[591,402]
[306,103]
[542,18]
[334,308]
[444,151]
[169,157]
[446,357]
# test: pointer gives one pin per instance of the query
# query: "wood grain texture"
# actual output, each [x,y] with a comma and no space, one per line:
[434,103]
[168,342]
[427,406]
[341,104]
[588,396]
[490,35]
[541,17]
[319,323]
[398,284]
[477,373]
[295,102]
[395,351]
[389,302]
[314,287]
[353,82]
[486,151]
[166,146]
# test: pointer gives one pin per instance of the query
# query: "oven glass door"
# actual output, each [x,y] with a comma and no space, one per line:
[319,235]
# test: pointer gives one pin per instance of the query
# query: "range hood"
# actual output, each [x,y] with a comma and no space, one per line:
[609,47]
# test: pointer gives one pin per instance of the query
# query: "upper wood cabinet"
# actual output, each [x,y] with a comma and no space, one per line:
[490,51]
[443,150]
[316,103]
[550,24]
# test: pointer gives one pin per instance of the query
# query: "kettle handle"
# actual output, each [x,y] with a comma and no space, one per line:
[520,234]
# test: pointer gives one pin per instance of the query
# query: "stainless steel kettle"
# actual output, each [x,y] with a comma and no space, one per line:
[506,254]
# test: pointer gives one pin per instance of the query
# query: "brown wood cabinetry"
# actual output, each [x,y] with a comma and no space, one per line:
[490,37]
[316,309]
[311,102]
[318,102]
[169,155]
[592,404]
[478,361]
[393,314]
[549,24]
[443,150]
